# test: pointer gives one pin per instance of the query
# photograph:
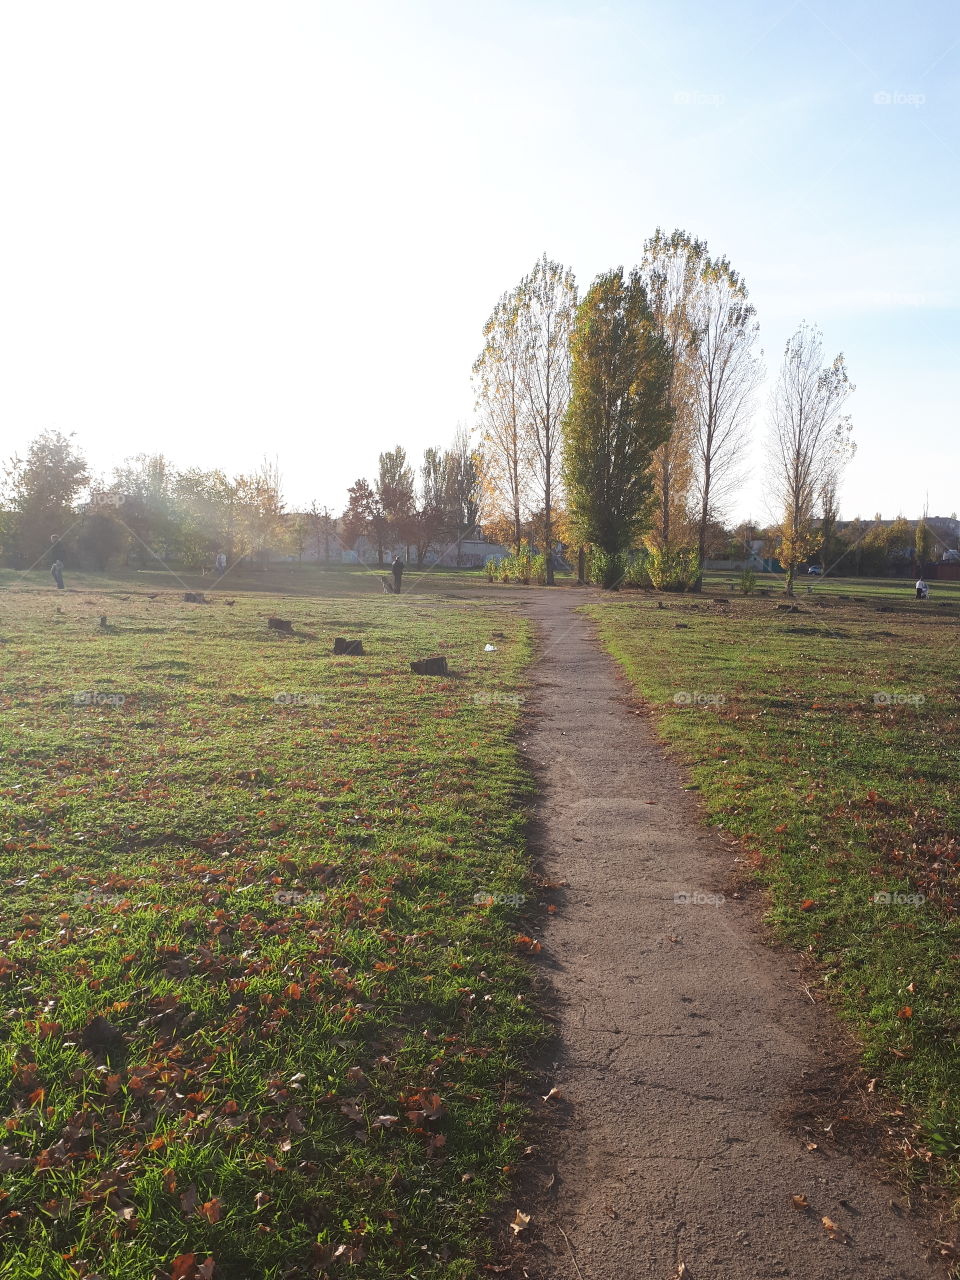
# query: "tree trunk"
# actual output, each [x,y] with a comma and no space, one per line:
[581,567]
[548,535]
[702,536]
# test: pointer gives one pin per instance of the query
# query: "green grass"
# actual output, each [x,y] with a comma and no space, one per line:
[891,591]
[277,579]
[827,741]
[246,915]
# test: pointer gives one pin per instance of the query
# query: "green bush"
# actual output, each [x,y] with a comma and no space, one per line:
[748,582]
[673,570]
[523,566]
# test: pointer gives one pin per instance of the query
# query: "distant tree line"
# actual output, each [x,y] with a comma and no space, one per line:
[149,512]
[435,508]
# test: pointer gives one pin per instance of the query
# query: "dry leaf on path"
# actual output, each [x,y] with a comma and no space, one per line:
[520,1222]
[800,1202]
[833,1231]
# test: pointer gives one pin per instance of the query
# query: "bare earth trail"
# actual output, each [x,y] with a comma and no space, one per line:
[681,1036]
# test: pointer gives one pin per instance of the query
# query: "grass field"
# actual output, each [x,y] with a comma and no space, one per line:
[260,954]
[827,741]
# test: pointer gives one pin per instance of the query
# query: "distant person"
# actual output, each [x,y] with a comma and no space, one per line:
[397,568]
[922,589]
[56,572]
[221,563]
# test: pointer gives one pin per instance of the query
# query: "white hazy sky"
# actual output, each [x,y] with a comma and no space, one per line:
[230,230]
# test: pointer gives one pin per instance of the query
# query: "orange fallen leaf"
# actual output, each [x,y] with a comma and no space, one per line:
[212,1210]
[807,904]
[833,1231]
[520,1222]
[800,1202]
[905,1012]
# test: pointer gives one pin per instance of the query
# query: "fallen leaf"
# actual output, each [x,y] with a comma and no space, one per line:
[553,1096]
[528,944]
[212,1210]
[800,1202]
[520,1222]
[807,904]
[905,1012]
[183,1267]
[833,1231]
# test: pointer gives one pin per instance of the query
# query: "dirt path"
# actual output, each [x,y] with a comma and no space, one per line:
[681,1035]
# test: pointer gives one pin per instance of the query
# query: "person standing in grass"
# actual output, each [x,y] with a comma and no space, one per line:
[397,568]
[56,572]
[922,589]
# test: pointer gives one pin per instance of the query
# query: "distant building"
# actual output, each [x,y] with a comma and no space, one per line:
[475,550]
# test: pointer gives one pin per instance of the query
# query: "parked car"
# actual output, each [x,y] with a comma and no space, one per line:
[815,568]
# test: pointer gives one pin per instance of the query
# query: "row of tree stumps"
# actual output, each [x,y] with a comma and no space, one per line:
[343,647]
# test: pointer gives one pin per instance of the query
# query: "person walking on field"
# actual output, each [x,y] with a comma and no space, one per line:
[922,589]
[397,568]
[56,572]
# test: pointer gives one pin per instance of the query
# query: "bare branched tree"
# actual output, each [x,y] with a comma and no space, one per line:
[810,442]
[726,373]
[506,452]
[547,309]
[671,270]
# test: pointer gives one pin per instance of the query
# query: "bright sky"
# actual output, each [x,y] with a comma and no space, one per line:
[231,229]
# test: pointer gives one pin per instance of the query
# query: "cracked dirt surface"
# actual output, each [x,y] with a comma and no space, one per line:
[681,1037]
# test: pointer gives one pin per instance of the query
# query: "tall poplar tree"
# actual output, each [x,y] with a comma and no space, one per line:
[619,412]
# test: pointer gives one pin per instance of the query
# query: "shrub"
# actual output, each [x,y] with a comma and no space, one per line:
[748,582]
[523,566]
[673,570]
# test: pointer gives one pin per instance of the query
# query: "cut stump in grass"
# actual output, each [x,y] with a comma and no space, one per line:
[280,624]
[429,667]
[194,597]
[352,648]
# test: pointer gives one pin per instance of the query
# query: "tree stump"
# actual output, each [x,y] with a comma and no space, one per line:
[429,667]
[279,624]
[194,597]
[352,648]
